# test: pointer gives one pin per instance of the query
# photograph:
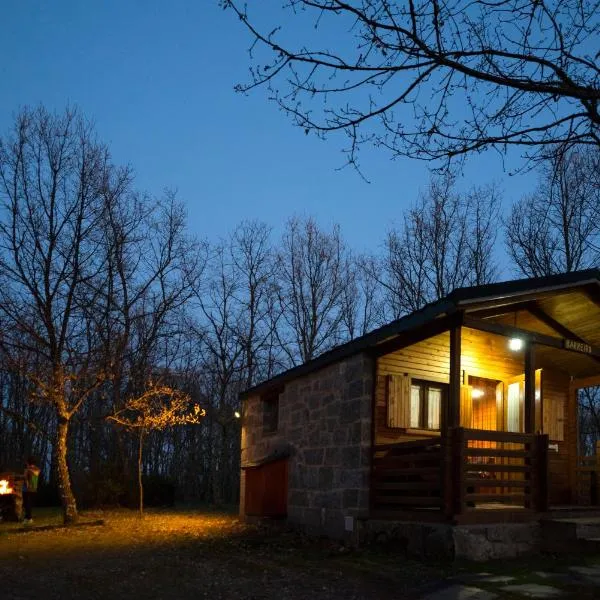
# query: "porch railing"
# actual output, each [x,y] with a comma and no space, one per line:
[495,470]
[407,476]
[587,479]
[466,470]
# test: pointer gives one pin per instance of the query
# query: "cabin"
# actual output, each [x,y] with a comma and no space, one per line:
[462,413]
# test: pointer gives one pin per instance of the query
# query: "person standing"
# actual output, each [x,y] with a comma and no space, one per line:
[30,486]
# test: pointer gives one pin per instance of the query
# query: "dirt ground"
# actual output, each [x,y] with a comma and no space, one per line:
[181,555]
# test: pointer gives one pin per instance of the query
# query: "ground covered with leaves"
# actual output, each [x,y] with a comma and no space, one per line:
[202,555]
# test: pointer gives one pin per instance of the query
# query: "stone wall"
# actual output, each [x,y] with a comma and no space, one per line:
[325,426]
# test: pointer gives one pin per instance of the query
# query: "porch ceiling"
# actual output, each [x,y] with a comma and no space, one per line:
[573,314]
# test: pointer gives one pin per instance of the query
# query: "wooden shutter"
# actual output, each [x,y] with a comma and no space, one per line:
[466,406]
[398,401]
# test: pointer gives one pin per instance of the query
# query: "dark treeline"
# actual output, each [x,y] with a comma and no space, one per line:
[103,293]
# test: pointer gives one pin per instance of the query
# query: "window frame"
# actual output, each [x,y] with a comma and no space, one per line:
[270,413]
[424,387]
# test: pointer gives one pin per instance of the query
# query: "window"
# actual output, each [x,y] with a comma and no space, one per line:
[513,408]
[414,403]
[425,404]
[271,412]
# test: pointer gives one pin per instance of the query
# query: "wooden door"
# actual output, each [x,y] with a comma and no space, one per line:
[266,489]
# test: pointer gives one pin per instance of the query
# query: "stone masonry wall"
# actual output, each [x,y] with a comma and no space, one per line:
[325,424]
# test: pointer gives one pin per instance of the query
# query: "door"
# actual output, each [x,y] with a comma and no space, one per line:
[266,489]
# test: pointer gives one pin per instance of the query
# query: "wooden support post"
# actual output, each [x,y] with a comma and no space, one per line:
[455,379]
[571,442]
[459,470]
[541,473]
[448,475]
[530,388]
[596,478]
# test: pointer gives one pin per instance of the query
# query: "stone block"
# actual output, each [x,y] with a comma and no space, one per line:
[351,478]
[329,499]
[355,434]
[472,545]
[298,498]
[311,478]
[366,409]
[340,436]
[366,433]
[364,499]
[314,438]
[332,456]
[355,389]
[314,402]
[325,478]
[439,544]
[350,498]
[350,456]
[350,411]
[333,409]
[353,371]
[295,513]
[311,517]
[314,456]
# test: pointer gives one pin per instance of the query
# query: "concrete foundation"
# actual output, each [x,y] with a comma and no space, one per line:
[450,542]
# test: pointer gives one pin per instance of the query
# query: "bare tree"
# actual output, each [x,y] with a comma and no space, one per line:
[313,272]
[53,174]
[557,228]
[432,79]
[253,258]
[361,303]
[446,241]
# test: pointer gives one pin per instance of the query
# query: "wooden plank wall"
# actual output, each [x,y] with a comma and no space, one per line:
[483,355]
[428,360]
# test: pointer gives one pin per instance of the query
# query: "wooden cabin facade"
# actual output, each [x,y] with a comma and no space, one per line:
[464,412]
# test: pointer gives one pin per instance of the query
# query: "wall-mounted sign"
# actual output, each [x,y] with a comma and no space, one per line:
[578,346]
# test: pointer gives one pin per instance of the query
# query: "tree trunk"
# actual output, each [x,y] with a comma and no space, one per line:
[64,481]
[140,463]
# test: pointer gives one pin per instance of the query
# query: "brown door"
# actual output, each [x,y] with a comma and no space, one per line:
[266,489]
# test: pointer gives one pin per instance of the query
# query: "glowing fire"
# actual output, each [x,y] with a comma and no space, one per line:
[4,487]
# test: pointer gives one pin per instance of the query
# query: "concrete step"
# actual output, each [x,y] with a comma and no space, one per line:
[568,535]
[591,545]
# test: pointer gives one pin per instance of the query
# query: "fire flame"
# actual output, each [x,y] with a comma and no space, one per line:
[4,487]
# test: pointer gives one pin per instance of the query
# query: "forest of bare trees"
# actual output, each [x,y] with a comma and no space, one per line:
[105,296]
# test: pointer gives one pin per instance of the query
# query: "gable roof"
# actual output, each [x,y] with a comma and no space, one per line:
[466,298]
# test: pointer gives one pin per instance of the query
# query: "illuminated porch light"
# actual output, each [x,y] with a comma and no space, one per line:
[237,414]
[477,393]
[515,344]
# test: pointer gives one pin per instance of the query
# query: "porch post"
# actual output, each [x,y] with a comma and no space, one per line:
[529,388]
[571,440]
[455,377]
[449,425]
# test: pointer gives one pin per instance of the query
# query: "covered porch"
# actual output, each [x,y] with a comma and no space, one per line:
[475,412]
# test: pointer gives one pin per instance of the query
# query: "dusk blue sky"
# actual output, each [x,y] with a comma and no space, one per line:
[157,78]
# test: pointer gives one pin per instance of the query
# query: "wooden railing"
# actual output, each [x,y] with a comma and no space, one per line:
[494,469]
[407,476]
[587,479]
[466,469]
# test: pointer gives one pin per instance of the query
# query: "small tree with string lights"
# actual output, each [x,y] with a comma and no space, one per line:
[158,408]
